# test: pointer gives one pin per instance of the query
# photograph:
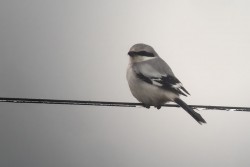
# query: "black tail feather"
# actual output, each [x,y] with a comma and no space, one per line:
[194,114]
[182,88]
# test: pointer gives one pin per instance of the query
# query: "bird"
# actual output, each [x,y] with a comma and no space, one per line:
[152,82]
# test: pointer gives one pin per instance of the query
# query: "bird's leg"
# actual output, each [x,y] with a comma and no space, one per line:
[146,106]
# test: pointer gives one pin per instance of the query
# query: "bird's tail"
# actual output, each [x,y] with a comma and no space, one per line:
[194,114]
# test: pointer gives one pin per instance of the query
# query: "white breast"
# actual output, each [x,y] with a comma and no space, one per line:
[148,93]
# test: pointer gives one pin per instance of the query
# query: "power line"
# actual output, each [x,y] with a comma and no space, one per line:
[117,104]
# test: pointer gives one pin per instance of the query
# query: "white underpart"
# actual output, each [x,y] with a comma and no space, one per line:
[147,93]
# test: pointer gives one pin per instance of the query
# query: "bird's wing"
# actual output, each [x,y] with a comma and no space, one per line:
[160,77]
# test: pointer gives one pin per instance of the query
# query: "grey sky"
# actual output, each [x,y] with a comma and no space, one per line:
[78,50]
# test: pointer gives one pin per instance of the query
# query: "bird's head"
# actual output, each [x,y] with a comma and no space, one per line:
[141,52]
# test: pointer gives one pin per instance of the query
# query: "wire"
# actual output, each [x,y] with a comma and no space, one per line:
[117,104]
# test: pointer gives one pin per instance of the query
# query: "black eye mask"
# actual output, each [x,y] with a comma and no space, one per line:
[141,53]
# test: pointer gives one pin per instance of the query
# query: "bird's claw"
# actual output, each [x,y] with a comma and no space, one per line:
[146,106]
[158,107]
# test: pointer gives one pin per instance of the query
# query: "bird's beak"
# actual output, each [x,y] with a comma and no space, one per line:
[131,53]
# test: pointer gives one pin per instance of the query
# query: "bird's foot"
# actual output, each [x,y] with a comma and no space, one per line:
[158,107]
[146,106]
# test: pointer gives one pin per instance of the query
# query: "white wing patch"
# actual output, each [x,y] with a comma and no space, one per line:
[177,85]
[154,81]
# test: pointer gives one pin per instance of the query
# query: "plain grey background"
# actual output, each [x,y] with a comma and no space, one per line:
[78,50]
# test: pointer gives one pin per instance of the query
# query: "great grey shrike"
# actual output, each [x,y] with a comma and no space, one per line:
[152,82]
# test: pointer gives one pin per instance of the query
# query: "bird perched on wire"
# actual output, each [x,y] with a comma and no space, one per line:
[152,82]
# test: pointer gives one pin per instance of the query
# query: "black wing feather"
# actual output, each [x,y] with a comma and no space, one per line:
[166,82]
[144,78]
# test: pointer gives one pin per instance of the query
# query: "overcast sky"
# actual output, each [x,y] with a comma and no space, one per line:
[78,50]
